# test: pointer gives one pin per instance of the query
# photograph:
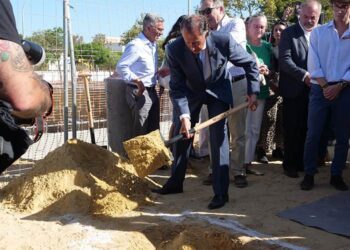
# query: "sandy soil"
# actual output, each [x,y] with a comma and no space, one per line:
[248,221]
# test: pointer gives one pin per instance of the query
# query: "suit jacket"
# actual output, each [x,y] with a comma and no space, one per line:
[186,79]
[293,50]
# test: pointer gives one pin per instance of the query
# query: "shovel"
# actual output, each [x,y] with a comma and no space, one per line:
[149,152]
[207,123]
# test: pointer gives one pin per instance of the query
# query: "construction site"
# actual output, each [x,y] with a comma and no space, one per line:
[81,186]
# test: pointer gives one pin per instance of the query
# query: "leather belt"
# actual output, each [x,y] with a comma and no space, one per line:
[344,83]
[238,78]
[148,88]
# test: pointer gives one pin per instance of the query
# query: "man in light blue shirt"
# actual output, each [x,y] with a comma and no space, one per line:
[329,67]
[138,67]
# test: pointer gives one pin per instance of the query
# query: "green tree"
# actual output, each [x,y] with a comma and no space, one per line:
[52,41]
[77,39]
[273,9]
[243,8]
[95,56]
[99,38]
[133,31]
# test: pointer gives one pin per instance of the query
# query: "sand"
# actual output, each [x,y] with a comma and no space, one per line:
[77,178]
[147,153]
[32,217]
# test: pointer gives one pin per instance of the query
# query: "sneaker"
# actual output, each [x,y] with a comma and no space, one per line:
[338,183]
[307,183]
[263,160]
[240,181]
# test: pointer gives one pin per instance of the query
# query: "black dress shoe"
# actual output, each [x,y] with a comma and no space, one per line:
[166,190]
[218,201]
[208,181]
[338,183]
[278,154]
[291,173]
[307,183]
[254,172]
[240,181]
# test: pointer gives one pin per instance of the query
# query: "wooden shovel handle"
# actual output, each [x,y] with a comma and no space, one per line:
[207,123]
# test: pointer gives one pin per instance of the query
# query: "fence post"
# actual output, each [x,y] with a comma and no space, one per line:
[65,69]
[73,76]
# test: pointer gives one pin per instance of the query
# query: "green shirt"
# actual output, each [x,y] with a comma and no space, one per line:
[263,54]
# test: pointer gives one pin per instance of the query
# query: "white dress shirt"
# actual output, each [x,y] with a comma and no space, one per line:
[306,34]
[236,28]
[139,61]
[329,54]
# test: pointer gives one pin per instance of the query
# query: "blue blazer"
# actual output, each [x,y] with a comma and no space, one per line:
[293,51]
[186,80]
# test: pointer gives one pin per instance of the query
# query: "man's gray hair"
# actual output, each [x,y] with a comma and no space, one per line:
[216,3]
[310,2]
[194,22]
[151,19]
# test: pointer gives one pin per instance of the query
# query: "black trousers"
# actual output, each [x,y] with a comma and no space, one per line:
[295,111]
[14,140]
[145,110]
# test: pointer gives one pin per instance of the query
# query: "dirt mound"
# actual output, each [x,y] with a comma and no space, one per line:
[198,236]
[147,153]
[78,177]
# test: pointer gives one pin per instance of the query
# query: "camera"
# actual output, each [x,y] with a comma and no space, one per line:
[34,52]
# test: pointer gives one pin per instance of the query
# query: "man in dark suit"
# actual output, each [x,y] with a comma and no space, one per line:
[199,75]
[294,85]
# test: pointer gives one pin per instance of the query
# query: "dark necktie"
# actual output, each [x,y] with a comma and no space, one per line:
[199,62]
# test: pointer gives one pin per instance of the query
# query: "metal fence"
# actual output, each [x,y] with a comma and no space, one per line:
[28,18]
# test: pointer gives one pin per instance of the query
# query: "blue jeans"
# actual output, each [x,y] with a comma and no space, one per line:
[320,109]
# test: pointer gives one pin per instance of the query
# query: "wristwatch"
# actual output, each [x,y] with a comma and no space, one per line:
[324,86]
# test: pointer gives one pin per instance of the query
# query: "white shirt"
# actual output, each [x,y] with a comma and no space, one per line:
[329,54]
[236,28]
[306,34]
[307,37]
[139,61]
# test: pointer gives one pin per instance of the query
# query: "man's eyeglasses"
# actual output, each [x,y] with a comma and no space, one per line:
[206,11]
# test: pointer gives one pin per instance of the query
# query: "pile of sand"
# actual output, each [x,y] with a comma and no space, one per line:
[147,153]
[78,177]
[198,236]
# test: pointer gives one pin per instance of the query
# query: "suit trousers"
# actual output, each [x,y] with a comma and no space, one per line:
[294,131]
[321,109]
[237,126]
[144,109]
[219,147]
[203,134]
[253,125]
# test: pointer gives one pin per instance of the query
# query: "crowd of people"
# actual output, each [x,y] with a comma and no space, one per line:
[296,82]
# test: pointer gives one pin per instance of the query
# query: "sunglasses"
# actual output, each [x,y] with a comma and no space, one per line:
[206,11]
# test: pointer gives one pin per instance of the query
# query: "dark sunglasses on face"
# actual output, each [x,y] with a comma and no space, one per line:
[206,11]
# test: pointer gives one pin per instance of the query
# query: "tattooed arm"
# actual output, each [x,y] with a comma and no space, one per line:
[19,85]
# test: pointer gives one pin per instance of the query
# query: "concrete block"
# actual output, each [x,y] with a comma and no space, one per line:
[118,115]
